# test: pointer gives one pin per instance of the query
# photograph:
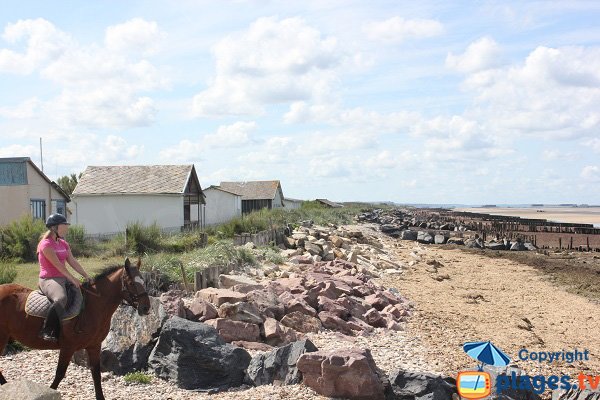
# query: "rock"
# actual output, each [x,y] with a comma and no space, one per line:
[235,330]
[247,288]
[456,241]
[374,318]
[408,235]
[296,303]
[303,259]
[27,390]
[201,310]
[256,346]
[301,322]
[173,303]
[276,334]
[291,253]
[130,339]
[529,246]
[228,281]
[267,302]
[421,386]
[289,242]
[424,237]
[495,246]
[440,239]
[250,245]
[517,246]
[220,296]
[377,301]
[336,241]
[343,373]
[312,248]
[575,394]
[242,311]
[473,244]
[213,364]
[279,365]
[333,322]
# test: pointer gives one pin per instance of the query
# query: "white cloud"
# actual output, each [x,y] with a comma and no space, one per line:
[480,55]
[99,86]
[226,136]
[135,35]
[44,42]
[234,135]
[397,29]
[593,144]
[274,61]
[553,94]
[591,173]
[27,109]
[17,150]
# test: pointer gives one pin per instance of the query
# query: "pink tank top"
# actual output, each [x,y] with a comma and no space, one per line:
[61,248]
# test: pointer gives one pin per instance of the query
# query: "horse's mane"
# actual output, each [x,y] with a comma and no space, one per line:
[102,274]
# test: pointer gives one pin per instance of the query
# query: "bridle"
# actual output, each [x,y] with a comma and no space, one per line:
[130,298]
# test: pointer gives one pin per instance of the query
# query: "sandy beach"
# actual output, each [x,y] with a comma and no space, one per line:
[578,215]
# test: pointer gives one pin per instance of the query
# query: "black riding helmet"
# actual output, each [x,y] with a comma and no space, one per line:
[55,220]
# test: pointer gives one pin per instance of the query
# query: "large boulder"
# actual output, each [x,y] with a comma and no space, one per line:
[242,311]
[424,237]
[421,386]
[279,365]
[194,356]
[130,339]
[343,373]
[408,235]
[235,330]
[267,302]
[27,390]
[301,322]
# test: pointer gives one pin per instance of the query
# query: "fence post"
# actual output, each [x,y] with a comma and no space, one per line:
[198,281]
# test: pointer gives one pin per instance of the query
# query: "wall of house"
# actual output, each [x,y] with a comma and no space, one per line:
[291,204]
[40,189]
[15,199]
[278,200]
[111,213]
[221,206]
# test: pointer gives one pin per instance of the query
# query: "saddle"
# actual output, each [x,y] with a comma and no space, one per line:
[38,305]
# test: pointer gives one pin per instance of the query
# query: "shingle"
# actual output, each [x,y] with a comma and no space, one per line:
[139,179]
[252,190]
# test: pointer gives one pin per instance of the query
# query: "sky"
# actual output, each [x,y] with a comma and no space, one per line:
[482,102]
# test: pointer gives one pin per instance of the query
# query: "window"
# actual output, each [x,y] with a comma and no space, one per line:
[13,173]
[59,206]
[38,209]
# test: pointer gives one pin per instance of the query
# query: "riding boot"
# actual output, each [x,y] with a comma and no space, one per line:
[51,329]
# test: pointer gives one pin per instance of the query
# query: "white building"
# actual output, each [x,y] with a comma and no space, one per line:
[256,194]
[221,205]
[292,204]
[107,199]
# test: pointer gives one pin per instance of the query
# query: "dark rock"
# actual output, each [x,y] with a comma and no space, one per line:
[421,386]
[408,235]
[279,365]
[194,356]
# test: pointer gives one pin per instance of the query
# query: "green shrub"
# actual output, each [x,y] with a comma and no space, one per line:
[138,377]
[14,347]
[80,245]
[271,254]
[20,238]
[8,273]
[143,239]
[182,242]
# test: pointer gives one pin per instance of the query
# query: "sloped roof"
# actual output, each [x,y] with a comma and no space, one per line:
[253,190]
[221,189]
[135,179]
[329,203]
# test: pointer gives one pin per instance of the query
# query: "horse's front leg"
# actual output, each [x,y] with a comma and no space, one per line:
[64,359]
[94,360]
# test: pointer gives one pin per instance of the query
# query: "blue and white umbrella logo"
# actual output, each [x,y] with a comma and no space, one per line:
[486,353]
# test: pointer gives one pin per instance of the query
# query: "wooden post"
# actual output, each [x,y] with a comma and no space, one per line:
[571,245]
[185,282]
[587,239]
[198,281]
[560,243]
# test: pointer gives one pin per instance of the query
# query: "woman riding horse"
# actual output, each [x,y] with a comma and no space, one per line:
[53,250]
[86,331]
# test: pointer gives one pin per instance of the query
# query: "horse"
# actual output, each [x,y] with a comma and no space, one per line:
[102,296]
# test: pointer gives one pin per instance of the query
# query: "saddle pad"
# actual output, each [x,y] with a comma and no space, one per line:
[38,305]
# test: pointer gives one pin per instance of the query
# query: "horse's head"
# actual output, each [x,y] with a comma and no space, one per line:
[134,289]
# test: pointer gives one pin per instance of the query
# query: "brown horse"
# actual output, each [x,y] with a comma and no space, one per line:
[87,331]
